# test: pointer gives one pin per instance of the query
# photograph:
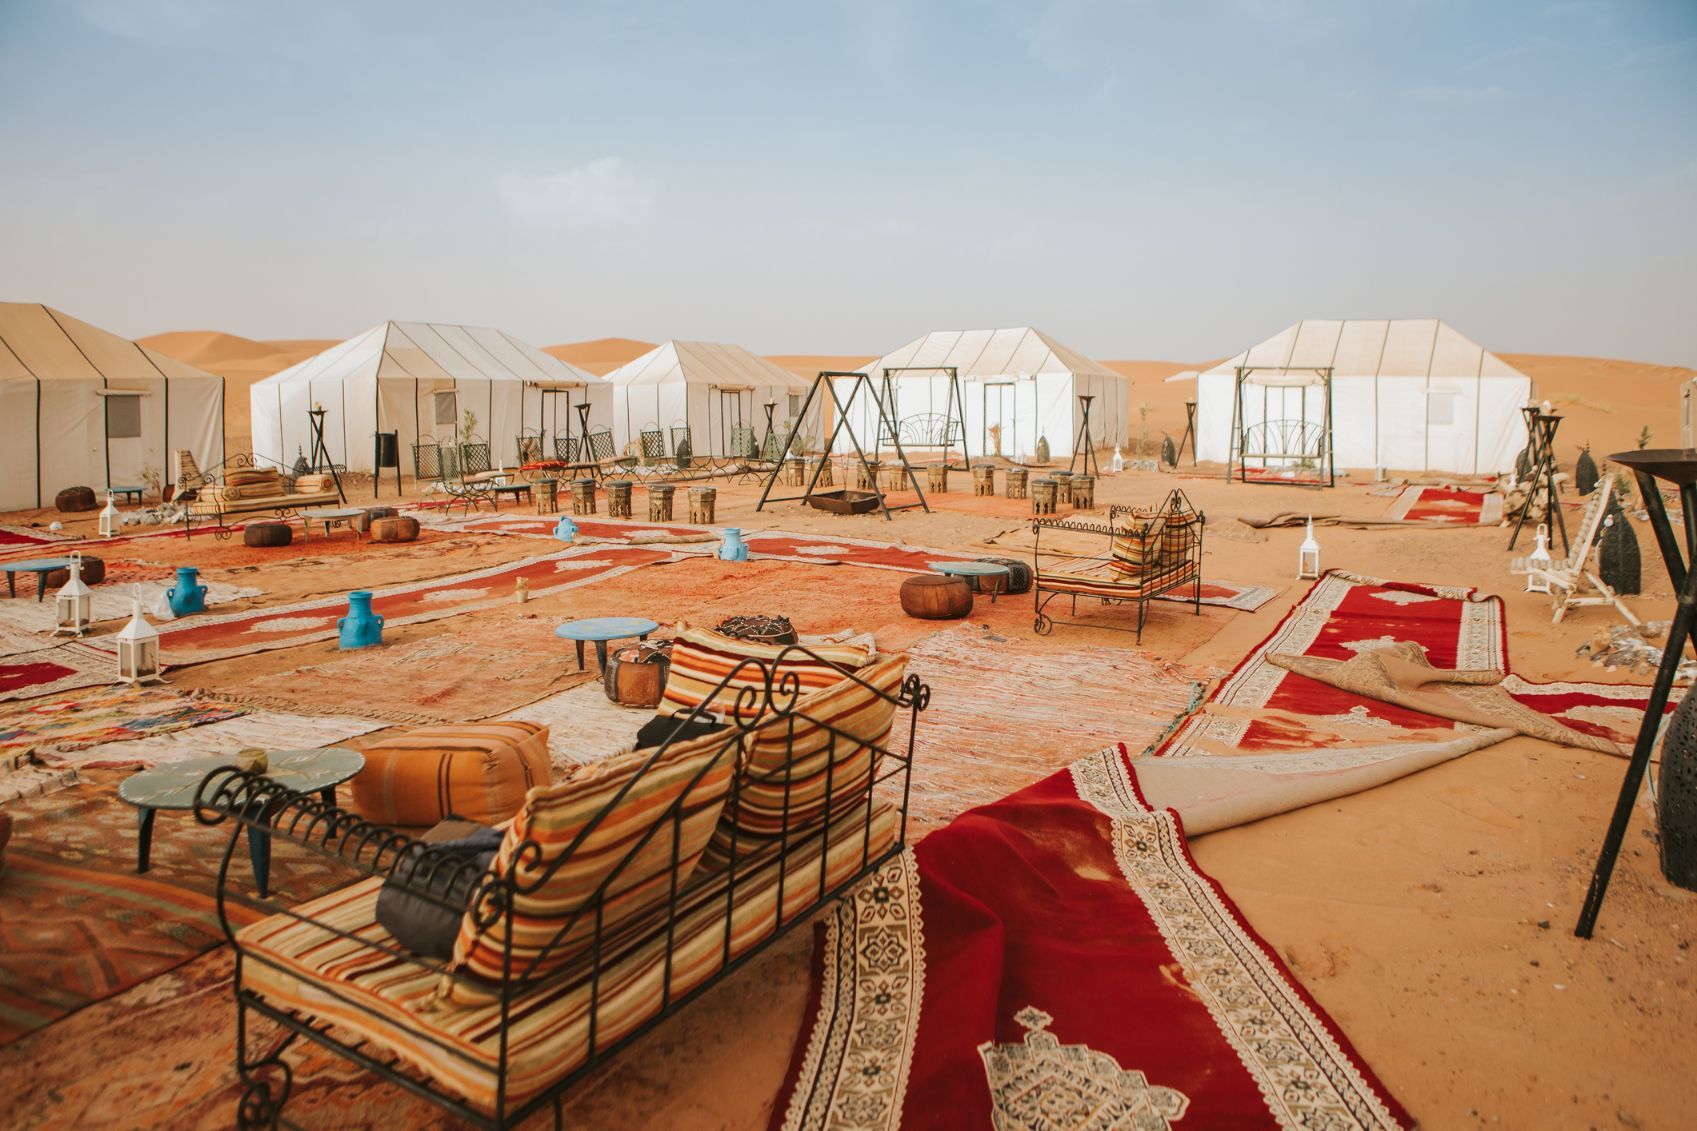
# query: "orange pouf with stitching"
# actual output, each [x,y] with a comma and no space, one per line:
[479,771]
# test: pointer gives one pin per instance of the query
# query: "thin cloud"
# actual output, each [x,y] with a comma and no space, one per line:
[605,192]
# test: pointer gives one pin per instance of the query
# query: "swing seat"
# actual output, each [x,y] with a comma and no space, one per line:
[1289,441]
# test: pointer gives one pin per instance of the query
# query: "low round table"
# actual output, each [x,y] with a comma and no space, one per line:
[174,786]
[328,517]
[975,573]
[600,630]
[41,567]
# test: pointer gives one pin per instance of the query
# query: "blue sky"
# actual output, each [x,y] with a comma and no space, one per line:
[1173,180]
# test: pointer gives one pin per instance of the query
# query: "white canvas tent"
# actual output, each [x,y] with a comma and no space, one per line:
[83,407]
[1016,385]
[708,388]
[420,379]
[1407,394]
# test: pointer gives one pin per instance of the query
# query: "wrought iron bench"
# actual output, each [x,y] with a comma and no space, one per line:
[207,498]
[1149,553]
[558,966]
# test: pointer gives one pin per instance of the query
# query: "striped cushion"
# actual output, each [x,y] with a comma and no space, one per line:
[784,775]
[307,968]
[642,786]
[1106,579]
[701,659]
[479,771]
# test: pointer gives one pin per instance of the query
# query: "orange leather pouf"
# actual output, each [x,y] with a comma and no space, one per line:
[479,771]
[931,596]
[401,528]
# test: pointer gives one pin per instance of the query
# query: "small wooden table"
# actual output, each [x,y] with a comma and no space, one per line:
[128,494]
[174,786]
[328,517]
[599,630]
[975,573]
[41,567]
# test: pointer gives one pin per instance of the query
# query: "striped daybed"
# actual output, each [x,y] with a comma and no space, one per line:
[245,485]
[618,893]
[1147,553]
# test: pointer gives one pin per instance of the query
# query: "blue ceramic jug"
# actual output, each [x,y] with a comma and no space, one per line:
[188,596]
[734,549]
[565,530]
[361,628]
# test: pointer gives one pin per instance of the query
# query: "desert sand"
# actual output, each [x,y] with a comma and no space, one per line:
[1431,917]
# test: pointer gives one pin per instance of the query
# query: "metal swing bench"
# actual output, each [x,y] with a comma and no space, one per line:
[589,931]
[1293,451]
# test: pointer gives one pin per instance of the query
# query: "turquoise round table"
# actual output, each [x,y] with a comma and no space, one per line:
[41,567]
[599,630]
[976,572]
[174,786]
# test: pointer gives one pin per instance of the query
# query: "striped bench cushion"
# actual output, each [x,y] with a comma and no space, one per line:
[365,992]
[1105,579]
[479,771]
[781,775]
[566,875]
[701,659]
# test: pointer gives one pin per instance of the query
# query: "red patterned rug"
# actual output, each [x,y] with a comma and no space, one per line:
[61,667]
[258,630]
[77,924]
[1058,960]
[1448,506]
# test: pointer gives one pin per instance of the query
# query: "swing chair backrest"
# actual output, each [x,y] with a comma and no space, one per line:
[930,430]
[1292,440]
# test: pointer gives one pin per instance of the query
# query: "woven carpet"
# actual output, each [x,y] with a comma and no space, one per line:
[109,714]
[285,626]
[589,529]
[1058,960]
[22,776]
[1006,712]
[61,667]
[27,536]
[115,598]
[1449,506]
[268,730]
[77,924]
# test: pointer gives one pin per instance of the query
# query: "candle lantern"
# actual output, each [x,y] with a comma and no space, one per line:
[138,650]
[73,607]
[1308,554]
[1538,560]
[110,519]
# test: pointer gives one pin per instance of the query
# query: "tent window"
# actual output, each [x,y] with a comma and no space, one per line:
[123,417]
[447,409]
[1440,410]
[795,405]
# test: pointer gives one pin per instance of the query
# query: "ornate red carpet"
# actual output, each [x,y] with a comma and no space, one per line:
[1450,506]
[1057,960]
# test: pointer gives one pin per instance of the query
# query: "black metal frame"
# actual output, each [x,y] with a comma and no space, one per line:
[1237,454]
[1177,563]
[1083,444]
[954,428]
[251,801]
[827,379]
[1541,450]
[215,520]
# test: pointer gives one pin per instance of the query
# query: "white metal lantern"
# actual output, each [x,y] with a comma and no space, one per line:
[1308,554]
[138,650]
[73,606]
[110,519]
[1539,559]
[1118,465]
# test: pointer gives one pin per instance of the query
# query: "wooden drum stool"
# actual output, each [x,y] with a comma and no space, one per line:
[660,502]
[825,479]
[618,498]
[1042,496]
[701,504]
[1017,479]
[583,496]
[1084,492]
[935,597]
[866,475]
[1063,487]
[547,493]
[795,472]
[896,473]
[937,478]
[984,479]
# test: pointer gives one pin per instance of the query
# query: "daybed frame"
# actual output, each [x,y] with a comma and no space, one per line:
[214,509]
[251,801]
[1173,536]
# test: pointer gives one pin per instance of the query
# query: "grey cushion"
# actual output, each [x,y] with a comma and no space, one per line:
[426,925]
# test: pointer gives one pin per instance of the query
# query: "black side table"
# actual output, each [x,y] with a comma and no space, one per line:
[1678,467]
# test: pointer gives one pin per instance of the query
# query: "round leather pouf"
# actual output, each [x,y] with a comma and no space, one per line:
[74,499]
[1019,574]
[93,573]
[372,514]
[401,528]
[935,597]
[267,534]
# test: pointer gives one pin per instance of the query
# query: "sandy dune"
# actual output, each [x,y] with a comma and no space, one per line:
[600,355]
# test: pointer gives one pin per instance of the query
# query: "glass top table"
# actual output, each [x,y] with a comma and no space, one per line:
[976,572]
[599,630]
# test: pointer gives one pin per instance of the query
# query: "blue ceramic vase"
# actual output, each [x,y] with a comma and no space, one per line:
[733,549]
[188,596]
[361,628]
[565,530]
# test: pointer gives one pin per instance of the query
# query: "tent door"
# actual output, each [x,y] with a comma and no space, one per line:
[1000,419]
[731,416]
[556,421]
